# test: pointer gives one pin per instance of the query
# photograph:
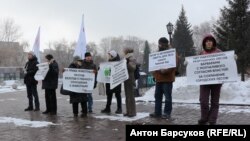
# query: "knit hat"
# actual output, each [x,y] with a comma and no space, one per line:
[32,53]
[87,54]
[163,40]
[49,57]
[113,53]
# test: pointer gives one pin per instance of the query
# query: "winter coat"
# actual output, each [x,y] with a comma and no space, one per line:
[90,66]
[76,97]
[51,79]
[31,70]
[131,66]
[117,89]
[165,75]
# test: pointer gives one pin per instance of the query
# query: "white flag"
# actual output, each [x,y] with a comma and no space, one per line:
[81,43]
[36,46]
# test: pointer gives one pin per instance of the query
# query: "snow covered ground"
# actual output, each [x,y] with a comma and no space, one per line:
[7,86]
[231,93]
[23,122]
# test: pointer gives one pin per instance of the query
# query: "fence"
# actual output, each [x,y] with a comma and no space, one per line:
[11,73]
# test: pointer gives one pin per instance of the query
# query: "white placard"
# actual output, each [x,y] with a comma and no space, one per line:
[43,69]
[214,68]
[78,80]
[162,60]
[104,72]
[119,73]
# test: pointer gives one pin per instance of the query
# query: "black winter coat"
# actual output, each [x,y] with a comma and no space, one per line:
[117,89]
[51,79]
[31,70]
[90,66]
[76,97]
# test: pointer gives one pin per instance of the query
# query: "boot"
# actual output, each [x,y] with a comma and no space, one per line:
[107,111]
[118,111]
[28,109]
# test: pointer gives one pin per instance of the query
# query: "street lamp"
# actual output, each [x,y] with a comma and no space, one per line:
[170,28]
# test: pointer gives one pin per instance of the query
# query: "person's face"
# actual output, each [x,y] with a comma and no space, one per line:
[88,58]
[162,46]
[209,44]
[109,56]
[79,63]
[46,60]
[30,56]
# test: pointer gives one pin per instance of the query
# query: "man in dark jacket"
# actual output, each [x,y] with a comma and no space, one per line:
[50,84]
[31,83]
[89,64]
[113,56]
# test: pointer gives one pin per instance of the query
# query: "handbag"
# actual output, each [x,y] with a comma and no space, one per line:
[64,92]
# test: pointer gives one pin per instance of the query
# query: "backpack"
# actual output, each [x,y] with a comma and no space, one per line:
[137,72]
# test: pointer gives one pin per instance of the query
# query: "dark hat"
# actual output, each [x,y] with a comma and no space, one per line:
[163,40]
[49,56]
[210,38]
[87,54]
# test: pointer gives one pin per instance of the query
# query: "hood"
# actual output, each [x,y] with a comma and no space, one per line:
[211,38]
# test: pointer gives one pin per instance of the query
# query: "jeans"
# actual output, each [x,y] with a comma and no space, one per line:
[90,102]
[32,92]
[166,89]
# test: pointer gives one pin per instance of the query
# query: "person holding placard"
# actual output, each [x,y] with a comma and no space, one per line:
[30,82]
[50,84]
[164,83]
[76,98]
[88,63]
[113,56]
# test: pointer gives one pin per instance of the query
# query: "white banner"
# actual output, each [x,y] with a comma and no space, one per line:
[43,69]
[162,60]
[119,73]
[78,80]
[104,72]
[214,68]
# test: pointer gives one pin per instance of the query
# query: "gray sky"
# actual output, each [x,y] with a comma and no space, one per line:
[146,19]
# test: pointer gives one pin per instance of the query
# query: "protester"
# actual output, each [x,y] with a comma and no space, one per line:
[113,56]
[76,98]
[164,83]
[129,84]
[209,114]
[50,84]
[31,83]
[89,64]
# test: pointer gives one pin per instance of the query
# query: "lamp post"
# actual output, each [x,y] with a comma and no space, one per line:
[170,28]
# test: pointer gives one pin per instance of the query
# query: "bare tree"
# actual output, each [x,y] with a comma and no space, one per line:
[199,32]
[9,31]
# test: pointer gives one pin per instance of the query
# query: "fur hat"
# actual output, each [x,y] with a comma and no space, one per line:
[113,53]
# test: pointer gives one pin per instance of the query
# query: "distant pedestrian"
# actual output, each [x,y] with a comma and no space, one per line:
[129,84]
[50,84]
[113,56]
[89,64]
[31,83]
[76,98]
[164,83]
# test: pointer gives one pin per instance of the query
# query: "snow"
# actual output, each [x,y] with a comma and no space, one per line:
[8,86]
[120,117]
[231,93]
[23,122]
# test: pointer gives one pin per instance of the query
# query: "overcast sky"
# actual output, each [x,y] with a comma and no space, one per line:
[146,19]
